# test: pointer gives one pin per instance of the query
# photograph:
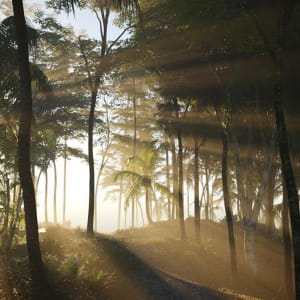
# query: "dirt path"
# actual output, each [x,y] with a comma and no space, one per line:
[146,282]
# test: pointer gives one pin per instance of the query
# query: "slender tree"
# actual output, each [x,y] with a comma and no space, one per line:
[35,258]
[276,52]
[196,198]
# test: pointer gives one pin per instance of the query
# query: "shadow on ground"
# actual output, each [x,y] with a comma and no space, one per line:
[145,282]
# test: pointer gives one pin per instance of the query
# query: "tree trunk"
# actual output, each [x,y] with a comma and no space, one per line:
[196,182]
[55,193]
[187,200]
[227,204]
[289,178]
[175,181]
[41,289]
[6,209]
[119,207]
[287,244]
[180,188]
[148,208]
[286,9]
[46,197]
[207,192]
[96,200]
[14,221]
[37,181]
[249,243]
[168,182]
[65,182]
[132,212]
[90,222]
[125,219]
[141,211]
[270,201]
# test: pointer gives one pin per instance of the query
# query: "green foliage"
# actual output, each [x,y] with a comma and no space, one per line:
[66,5]
[71,268]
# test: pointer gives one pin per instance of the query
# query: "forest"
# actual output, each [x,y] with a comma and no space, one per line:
[173,124]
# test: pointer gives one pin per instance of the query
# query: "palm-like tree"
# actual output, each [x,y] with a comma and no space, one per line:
[140,175]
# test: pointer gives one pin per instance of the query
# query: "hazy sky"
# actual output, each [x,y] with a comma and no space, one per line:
[77,173]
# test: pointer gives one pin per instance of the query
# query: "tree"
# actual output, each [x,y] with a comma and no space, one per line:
[141,176]
[95,76]
[276,53]
[34,252]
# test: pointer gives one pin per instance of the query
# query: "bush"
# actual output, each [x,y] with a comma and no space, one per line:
[71,268]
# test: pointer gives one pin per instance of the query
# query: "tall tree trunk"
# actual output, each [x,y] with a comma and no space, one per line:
[180,188]
[134,144]
[132,212]
[148,207]
[6,208]
[196,199]
[94,86]
[137,212]
[125,219]
[249,221]
[227,204]
[37,181]
[287,246]
[65,182]
[289,178]
[286,9]
[270,201]
[175,180]
[168,182]
[96,200]
[249,243]
[41,288]
[55,193]
[119,206]
[46,197]
[14,221]
[187,199]
[90,222]
[207,192]
[141,211]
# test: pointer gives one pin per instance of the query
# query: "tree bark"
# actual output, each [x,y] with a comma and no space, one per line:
[37,181]
[168,182]
[175,181]
[289,178]
[65,182]
[14,221]
[227,204]
[132,212]
[46,197]
[270,201]
[207,192]
[287,246]
[90,222]
[249,243]
[55,193]
[196,182]
[148,208]
[141,211]
[41,289]
[119,206]
[286,9]
[180,188]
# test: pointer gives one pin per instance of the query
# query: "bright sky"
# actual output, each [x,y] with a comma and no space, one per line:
[77,171]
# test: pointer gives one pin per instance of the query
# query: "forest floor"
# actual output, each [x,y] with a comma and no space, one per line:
[148,263]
